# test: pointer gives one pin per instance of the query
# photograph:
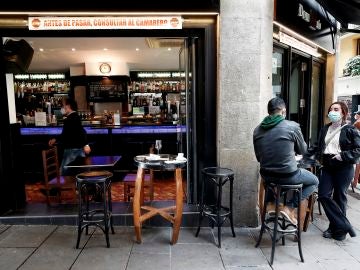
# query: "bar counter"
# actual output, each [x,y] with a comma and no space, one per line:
[124,140]
[122,129]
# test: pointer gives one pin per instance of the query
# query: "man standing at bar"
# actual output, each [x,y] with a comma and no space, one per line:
[276,142]
[73,135]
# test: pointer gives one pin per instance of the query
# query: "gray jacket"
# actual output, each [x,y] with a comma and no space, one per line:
[275,148]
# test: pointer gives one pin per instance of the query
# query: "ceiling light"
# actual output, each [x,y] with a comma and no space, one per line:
[41,49]
[169,49]
[105,49]
[73,49]
[137,49]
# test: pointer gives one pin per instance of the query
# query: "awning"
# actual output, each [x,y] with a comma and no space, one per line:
[345,11]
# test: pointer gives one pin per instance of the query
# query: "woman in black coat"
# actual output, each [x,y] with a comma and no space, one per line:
[338,149]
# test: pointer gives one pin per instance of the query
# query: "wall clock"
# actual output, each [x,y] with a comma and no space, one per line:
[105,68]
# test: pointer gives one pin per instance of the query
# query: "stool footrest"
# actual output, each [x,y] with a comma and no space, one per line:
[223,211]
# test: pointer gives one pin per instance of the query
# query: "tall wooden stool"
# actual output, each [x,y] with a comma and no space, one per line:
[129,185]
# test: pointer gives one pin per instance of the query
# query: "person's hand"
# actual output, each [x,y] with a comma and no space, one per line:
[338,157]
[52,142]
[87,149]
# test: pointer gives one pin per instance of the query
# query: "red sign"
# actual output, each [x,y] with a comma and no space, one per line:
[88,23]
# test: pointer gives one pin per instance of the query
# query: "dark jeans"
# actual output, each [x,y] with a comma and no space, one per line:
[308,179]
[70,155]
[334,183]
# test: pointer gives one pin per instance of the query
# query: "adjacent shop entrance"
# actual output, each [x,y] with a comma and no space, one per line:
[299,79]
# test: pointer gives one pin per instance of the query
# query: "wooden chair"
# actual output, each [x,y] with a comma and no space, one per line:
[54,182]
[129,185]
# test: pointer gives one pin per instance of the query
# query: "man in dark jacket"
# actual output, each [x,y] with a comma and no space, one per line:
[276,142]
[73,135]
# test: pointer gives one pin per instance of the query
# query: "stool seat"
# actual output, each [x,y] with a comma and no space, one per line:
[131,177]
[87,183]
[218,171]
[94,176]
[216,213]
[285,186]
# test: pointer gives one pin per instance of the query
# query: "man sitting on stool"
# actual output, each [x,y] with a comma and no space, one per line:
[276,141]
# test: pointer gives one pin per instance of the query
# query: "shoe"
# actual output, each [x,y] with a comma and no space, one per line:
[352,232]
[289,214]
[328,233]
[270,208]
[341,235]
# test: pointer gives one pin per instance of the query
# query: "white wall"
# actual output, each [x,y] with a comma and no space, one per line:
[347,86]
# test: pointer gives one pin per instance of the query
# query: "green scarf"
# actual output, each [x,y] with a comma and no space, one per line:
[271,121]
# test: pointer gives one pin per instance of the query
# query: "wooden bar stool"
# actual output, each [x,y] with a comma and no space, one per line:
[129,185]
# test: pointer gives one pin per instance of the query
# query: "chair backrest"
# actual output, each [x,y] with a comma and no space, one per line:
[51,165]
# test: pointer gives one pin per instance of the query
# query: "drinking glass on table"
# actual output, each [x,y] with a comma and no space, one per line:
[158,146]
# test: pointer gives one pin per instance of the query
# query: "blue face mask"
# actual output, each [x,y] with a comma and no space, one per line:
[334,116]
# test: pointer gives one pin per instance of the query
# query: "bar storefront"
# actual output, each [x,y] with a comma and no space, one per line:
[125,107]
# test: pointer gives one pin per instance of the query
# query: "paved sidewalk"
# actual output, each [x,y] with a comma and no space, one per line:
[52,247]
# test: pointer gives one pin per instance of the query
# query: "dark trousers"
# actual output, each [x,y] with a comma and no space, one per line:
[334,183]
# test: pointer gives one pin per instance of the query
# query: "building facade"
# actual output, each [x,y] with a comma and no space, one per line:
[249,54]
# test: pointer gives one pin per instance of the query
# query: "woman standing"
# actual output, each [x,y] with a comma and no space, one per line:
[338,149]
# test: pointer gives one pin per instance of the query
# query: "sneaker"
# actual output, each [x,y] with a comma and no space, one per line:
[289,214]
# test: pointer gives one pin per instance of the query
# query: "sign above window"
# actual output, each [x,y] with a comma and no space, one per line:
[94,23]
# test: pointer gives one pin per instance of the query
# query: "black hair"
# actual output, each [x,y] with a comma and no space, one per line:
[275,104]
[72,103]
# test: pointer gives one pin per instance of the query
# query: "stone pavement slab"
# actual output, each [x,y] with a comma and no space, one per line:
[12,258]
[57,252]
[25,236]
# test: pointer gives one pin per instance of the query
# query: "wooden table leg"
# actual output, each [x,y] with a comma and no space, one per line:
[137,203]
[261,197]
[179,206]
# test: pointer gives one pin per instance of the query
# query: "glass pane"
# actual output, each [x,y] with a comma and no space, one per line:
[277,71]
[294,92]
[315,110]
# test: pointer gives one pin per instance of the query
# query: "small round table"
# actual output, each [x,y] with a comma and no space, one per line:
[168,163]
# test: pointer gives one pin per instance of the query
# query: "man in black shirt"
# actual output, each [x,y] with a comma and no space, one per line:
[73,135]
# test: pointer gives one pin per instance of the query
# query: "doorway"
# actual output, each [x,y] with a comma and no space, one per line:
[299,91]
[298,78]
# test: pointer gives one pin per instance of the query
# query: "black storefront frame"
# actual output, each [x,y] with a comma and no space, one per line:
[287,60]
[204,125]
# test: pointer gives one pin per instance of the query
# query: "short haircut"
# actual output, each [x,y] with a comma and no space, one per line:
[72,103]
[275,104]
[344,109]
